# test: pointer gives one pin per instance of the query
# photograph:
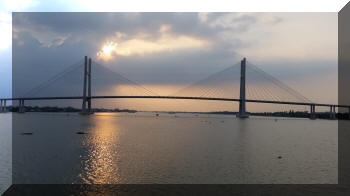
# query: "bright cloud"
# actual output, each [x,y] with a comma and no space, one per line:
[141,46]
[107,50]
[5,30]
[302,36]
[19,5]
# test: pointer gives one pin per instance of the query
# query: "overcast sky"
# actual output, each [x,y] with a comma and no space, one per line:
[178,49]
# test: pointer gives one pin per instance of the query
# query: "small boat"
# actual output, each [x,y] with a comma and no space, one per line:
[81,132]
[27,133]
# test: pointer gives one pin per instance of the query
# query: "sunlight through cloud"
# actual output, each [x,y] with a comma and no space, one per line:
[107,50]
[141,46]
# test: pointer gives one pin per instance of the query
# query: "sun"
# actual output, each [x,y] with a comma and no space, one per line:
[107,50]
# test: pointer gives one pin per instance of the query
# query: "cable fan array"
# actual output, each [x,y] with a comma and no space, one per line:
[223,84]
[226,84]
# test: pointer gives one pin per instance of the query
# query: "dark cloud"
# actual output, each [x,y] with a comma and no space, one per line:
[87,30]
[101,25]
[70,36]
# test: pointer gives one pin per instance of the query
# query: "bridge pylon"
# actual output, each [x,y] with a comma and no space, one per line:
[312,112]
[1,110]
[1,105]
[21,108]
[86,88]
[4,107]
[242,102]
[332,113]
[89,88]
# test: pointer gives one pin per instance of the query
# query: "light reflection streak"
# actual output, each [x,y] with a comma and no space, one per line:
[100,166]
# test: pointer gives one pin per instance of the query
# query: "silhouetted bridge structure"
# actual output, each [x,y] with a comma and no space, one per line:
[87,97]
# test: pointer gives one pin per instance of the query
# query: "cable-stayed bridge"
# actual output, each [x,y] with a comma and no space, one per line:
[243,82]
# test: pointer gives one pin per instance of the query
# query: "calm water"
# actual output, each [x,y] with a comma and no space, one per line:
[171,148]
[5,151]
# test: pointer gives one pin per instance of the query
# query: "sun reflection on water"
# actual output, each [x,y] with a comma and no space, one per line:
[100,165]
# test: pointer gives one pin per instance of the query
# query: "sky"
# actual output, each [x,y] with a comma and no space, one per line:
[168,51]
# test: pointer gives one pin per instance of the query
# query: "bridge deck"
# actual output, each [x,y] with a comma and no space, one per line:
[176,97]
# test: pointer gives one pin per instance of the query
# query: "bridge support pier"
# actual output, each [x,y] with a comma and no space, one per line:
[87,87]
[1,107]
[332,113]
[242,103]
[21,108]
[312,112]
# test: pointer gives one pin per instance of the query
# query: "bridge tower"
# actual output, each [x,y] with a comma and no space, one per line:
[89,87]
[242,103]
[1,106]
[83,108]
[4,109]
[312,112]
[21,108]
[332,113]
[86,87]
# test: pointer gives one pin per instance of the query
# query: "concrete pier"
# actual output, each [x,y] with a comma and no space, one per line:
[242,103]
[21,108]
[312,112]
[3,106]
[332,113]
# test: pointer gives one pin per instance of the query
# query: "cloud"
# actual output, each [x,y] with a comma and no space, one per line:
[293,36]
[101,25]
[137,45]
[18,5]
[5,30]
[232,21]
[173,48]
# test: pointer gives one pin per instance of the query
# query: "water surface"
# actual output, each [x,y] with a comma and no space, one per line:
[5,151]
[172,148]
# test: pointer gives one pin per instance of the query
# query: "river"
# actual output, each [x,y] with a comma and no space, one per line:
[123,148]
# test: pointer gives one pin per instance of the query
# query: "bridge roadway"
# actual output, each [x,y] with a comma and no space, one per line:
[177,97]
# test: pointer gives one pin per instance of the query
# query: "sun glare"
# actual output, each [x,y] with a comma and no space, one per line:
[138,45]
[107,50]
